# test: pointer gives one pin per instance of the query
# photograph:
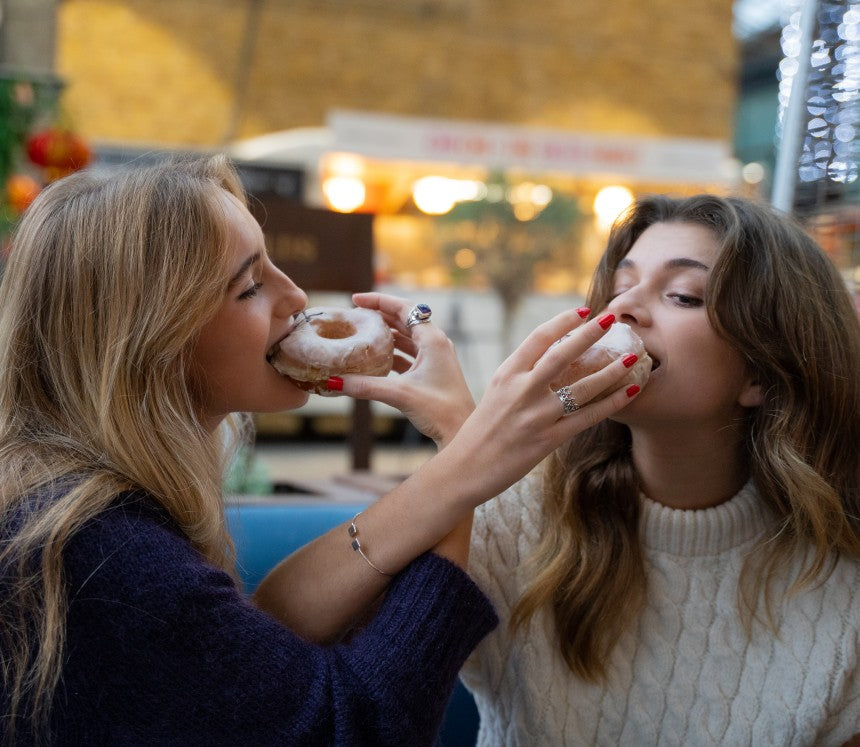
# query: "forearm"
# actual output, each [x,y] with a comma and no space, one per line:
[320,590]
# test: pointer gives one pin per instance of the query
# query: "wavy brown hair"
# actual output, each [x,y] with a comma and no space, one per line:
[776,298]
[110,278]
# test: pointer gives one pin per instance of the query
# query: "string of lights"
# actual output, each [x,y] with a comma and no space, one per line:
[830,147]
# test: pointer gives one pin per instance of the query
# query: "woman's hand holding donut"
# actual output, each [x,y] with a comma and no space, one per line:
[525,414]
[430,389]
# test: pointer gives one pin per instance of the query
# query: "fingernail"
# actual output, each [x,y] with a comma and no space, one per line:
[334,383]
[632,390]
[629,360]
[583,312]
[606,321]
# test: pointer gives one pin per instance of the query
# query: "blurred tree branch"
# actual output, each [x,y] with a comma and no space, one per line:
[509,238]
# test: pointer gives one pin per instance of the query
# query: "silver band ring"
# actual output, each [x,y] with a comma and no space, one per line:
[568,401]
[420,314]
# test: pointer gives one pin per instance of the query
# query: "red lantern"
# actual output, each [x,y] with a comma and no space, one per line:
[21,190]
[59,150]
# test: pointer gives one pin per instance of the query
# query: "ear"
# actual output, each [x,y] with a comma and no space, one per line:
[751,394]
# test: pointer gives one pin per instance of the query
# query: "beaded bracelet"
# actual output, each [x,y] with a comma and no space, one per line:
[356,545]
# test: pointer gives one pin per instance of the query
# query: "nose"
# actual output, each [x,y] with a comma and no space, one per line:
[631,308]
[290,298]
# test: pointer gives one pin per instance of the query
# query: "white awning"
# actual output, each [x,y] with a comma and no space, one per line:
[497,146]
[538,150]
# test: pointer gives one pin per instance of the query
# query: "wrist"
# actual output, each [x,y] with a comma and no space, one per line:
[453,423]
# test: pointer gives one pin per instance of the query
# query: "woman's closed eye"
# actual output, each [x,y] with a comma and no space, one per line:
[686,300]
[251,292]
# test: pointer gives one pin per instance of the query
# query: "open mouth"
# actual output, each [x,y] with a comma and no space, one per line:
[655,362]
[299,318]
[273,351]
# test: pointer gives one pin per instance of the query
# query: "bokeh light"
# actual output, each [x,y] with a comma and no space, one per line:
[609,203]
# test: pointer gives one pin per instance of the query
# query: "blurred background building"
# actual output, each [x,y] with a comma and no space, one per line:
[466,153]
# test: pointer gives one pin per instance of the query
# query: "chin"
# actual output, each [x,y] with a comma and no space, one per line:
[285,403]
[299,399]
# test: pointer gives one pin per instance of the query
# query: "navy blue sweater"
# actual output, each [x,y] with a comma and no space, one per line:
[162,649]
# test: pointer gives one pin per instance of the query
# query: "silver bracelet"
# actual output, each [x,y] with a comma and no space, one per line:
[356,545]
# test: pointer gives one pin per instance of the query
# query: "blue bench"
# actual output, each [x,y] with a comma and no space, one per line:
[266,532]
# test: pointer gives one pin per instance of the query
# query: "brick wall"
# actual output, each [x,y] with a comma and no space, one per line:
[170,71]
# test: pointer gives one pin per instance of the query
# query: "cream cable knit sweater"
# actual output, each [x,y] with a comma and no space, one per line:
[685,673]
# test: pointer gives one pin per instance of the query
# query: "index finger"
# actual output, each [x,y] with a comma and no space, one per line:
[382,302]
[397,311]
[393,308]
[559,357]
[543,337]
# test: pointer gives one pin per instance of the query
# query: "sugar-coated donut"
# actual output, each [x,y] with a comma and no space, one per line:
[329,341]
[620,340]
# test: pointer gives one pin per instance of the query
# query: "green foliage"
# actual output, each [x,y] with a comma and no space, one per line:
[247,475]
[24,103]
[508,248]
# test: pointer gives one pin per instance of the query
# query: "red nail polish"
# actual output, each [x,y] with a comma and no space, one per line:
[606,321]
[632,389]
[583,312]
[334,383]
[629,360]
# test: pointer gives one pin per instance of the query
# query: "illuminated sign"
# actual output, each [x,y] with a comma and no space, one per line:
[537,150]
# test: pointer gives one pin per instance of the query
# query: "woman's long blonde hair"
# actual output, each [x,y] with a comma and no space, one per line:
[109,281]
[777,299]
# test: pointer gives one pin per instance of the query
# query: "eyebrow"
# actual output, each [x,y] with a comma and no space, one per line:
[243,269]
[672,264]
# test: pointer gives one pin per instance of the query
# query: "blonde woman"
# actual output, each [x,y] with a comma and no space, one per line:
[688,572]
[136,313]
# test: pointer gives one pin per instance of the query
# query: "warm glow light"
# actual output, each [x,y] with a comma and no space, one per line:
[465,258]
[752,173]
[540,195]
[528,199]
[344,193]
[344,164]
[433,195]
[609,203]
[436,195]
[524,211]
[519,193]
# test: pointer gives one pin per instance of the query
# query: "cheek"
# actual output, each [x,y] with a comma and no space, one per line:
[233,340]
[210,354]
[718,370]
[209,373]
[217,357]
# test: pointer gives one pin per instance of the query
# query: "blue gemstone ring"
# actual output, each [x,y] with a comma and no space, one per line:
[420,314]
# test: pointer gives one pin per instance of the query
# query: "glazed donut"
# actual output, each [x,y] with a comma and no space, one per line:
[329,341]
[620,340]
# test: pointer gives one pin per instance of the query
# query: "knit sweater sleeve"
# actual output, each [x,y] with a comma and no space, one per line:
[161,648]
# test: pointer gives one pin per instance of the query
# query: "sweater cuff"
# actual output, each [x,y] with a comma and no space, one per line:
[436,614]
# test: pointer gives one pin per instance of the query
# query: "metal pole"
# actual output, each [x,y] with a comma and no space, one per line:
[785,173]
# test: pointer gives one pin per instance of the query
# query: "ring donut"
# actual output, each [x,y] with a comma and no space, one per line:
[329,341]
